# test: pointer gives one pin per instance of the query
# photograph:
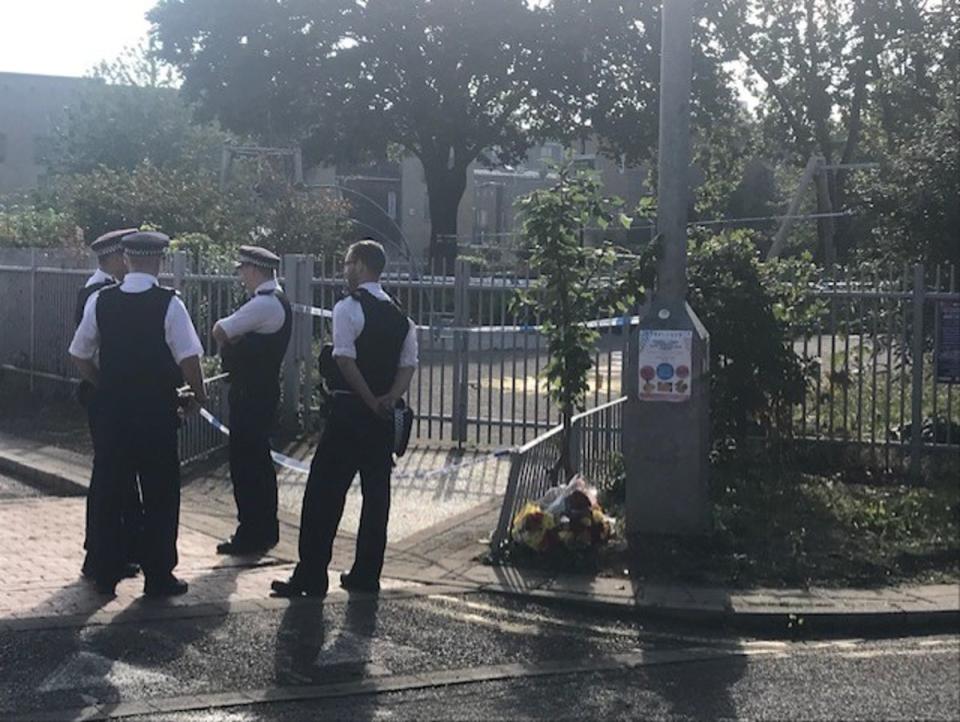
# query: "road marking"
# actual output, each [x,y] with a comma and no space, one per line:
[382,685]
[540,619]
[88,670]
[446,678]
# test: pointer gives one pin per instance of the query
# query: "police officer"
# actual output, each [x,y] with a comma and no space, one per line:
[147,346]
[110,270]
[375,353]
[253,342]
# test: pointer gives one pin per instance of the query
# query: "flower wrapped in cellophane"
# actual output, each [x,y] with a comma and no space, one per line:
[534,528]
[567,516]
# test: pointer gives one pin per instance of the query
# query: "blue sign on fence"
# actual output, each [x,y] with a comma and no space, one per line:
[948,348]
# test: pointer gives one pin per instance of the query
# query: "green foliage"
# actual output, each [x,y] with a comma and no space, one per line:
[22,226]
[175,200]
[573,282]
[753,312]
[187,201]
[293,221]
[132,155]
[914,203]
[612,486]
[858,81]
[206,254]
[122,127]
[446,81]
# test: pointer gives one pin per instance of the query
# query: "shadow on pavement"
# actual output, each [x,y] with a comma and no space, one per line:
[129,657]
[314,649]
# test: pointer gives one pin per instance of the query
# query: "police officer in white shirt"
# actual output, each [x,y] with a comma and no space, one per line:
[375,352]
[110,270]
[253,341]
[147,346]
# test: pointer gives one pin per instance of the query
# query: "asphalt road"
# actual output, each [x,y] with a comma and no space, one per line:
[465,657]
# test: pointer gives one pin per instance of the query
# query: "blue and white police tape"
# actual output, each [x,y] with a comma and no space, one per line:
[611,322]
[311,310]
[304,468]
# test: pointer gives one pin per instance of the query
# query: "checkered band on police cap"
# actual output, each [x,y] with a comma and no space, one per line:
[258,256]
[110,242]
[145,243]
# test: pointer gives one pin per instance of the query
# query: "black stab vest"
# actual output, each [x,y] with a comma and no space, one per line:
[385,328]
[137,368]
[83,295]
[254,360]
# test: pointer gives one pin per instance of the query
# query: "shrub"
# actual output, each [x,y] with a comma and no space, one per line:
[753,312]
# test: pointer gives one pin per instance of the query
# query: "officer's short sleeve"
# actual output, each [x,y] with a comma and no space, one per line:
[261,314]
[409,353]
[181,336]
[86,339]
[347,326]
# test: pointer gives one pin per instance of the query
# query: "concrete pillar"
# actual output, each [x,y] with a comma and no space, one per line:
[666,421]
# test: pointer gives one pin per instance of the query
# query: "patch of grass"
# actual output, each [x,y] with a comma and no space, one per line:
[794,529]
[780,527]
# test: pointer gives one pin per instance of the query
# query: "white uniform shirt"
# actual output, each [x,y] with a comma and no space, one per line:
[348,324]
[99,276]
[261,314]
[181,337]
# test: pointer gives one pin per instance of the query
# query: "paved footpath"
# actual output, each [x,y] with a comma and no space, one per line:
[41,539]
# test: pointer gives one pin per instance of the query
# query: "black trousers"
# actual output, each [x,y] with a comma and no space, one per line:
[353,440]
[252,471]
[138,443]
[131,510]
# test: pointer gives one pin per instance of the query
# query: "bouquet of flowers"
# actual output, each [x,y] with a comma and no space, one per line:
[566,516]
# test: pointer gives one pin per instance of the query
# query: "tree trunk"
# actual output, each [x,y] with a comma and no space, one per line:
[445,187]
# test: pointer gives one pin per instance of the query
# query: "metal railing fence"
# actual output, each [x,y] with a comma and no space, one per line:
[596,442]
[872,351]
[197,439]
[480,379]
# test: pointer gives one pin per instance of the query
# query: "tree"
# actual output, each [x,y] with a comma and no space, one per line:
[444,80]
[912,204]
[574,284]
[129,152]
[132,116]
[754,312]
[822,69]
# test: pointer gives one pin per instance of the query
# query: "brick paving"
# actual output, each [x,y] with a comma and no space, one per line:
[41,553]
[42,543]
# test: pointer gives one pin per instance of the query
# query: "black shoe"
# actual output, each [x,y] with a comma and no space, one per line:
[168,586]
[352,583]
[242,548]
[293,587]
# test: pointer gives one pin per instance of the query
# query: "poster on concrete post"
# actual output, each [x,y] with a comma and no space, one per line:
[948,345]
[665,363]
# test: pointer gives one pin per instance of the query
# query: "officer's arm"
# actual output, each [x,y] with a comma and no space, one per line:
[220,335]
[193,375]
[401,382]
[87,368]
[351,373]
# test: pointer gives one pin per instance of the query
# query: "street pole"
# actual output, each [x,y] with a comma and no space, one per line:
[666,421]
